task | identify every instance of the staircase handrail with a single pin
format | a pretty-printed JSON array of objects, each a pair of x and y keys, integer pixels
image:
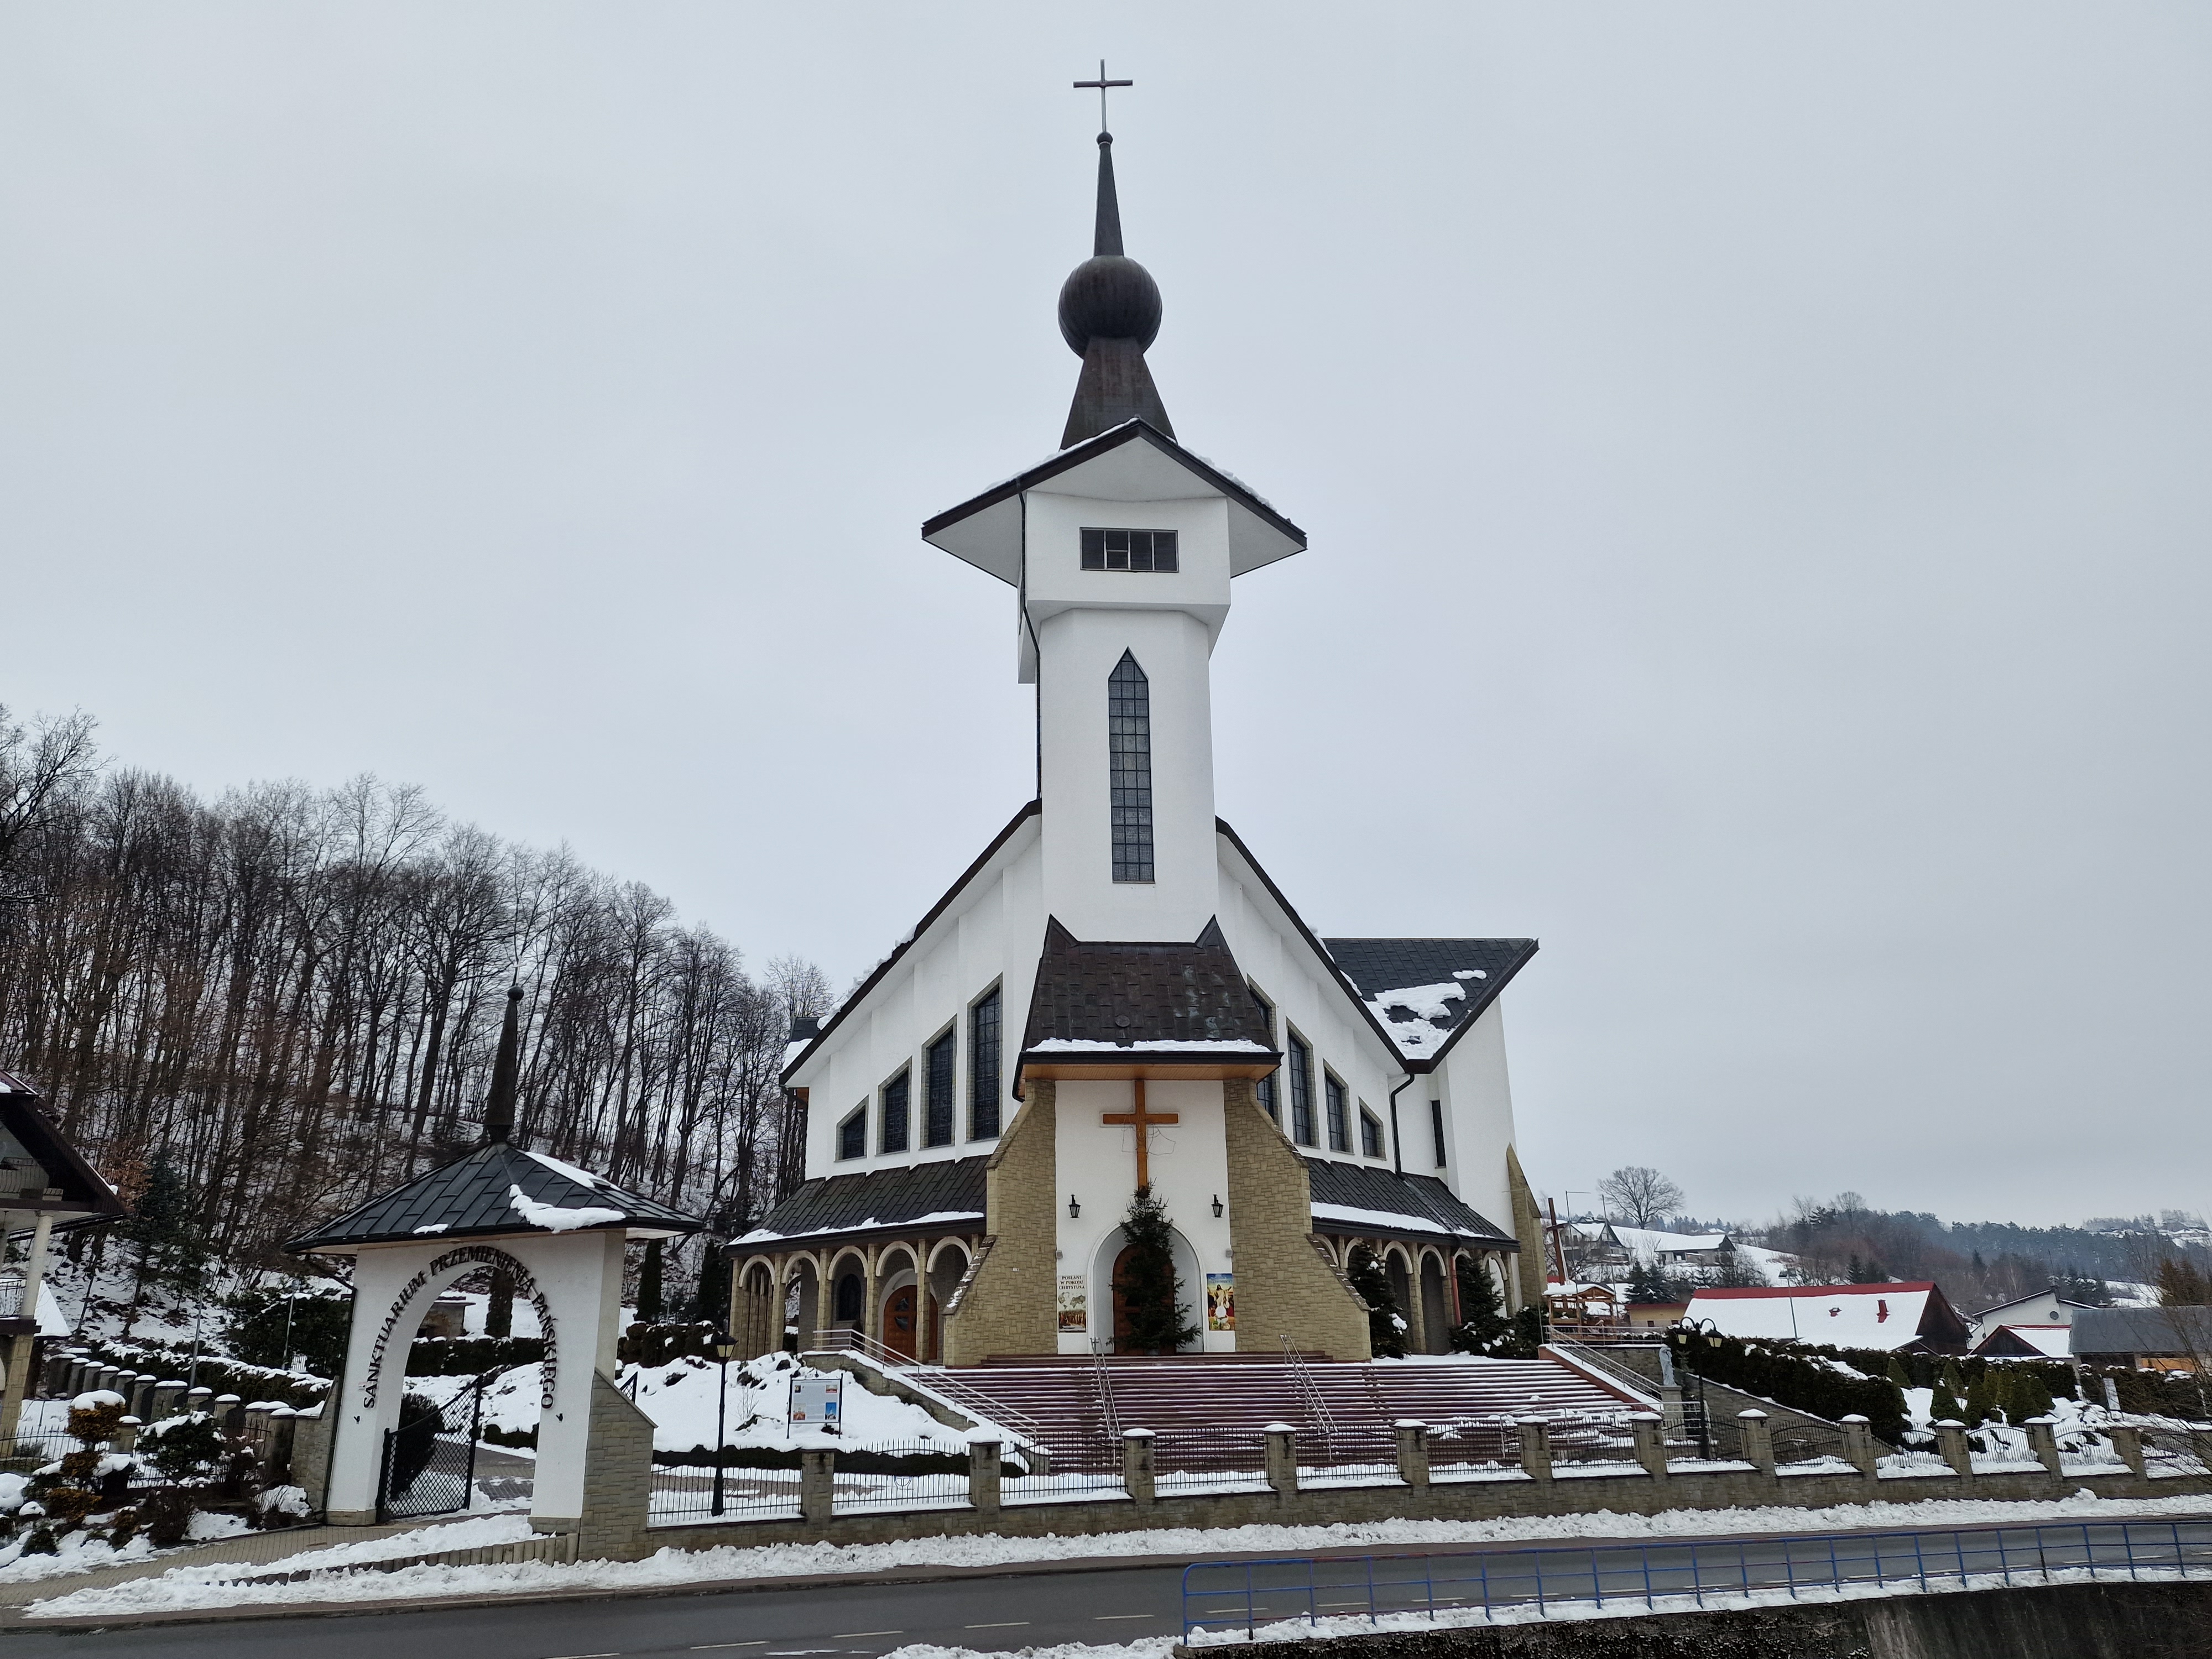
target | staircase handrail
[
  {"x": 941, "y": 1382},
  {"x": 1302, "y": 1379},
  {"x": 1105, "y": 1385},
  {"x": 1578, "y": 1356}
]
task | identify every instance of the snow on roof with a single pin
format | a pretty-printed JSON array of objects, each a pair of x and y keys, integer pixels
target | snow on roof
[
  {"x": 1418, "y": 1018},
  {"x": 1177, "y": 1045},
  {"x": 1649, "y": 1241},
  {"x": 935, "y": 1218},
  {"x": 1845, "y": 1316},
  {"x": 2051, "y": 1341}
]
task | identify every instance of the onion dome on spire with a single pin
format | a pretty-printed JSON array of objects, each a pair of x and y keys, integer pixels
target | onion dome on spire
[{"x": 1109, "y": 311}]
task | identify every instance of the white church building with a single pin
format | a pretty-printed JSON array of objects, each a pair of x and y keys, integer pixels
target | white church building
[{"x": 1115, "y": 993}]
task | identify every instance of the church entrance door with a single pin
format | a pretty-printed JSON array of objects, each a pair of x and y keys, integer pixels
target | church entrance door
[
  {"x": 899, "y": 1322},
  {"x": 1121, "y": 1302}
]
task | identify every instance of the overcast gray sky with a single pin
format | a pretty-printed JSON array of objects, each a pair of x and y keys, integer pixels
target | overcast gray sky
[{"x": 1755, "y": 460}]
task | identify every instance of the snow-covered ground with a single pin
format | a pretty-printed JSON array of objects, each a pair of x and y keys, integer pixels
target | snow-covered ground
[{"x": 208, "y": 1587}]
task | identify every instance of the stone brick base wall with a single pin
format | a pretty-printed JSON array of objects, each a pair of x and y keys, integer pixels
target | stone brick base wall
[
  {"x": 1285, "y": 1285},
  {"x": 1009, "y": 1303},
  {"x": 617, "y": 1479}
]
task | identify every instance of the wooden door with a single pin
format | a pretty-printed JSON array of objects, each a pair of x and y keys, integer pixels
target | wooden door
[
  {"x": 899, "y": 1322},
  {"x": 1121, "y": 1302}
]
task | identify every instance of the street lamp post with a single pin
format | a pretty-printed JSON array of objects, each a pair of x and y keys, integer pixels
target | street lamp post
[{"x": 723, "y": 1346}]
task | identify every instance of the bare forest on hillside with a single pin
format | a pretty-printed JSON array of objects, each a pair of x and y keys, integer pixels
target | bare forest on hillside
[{"x": 287, "y": 999}]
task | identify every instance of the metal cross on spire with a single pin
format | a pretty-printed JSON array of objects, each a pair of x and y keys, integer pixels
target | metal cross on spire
[{"x": 1101, "y": 84}]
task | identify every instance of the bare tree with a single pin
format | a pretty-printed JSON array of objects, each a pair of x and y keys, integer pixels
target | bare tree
[
  {"x": 1640, "y": 1197},
  {"x": 37, "y": 764}
]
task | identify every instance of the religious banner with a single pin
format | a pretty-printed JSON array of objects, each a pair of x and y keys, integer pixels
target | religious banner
[
  {"x": 1074, "y": 1303},
  {"x": 1221, "y": 1302}
]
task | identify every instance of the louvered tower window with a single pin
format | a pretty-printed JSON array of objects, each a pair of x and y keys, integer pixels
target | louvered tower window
[{"x": 1129, "y": 750}]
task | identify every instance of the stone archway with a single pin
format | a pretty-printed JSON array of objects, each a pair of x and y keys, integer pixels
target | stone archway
[
  {"x": 406, "y": 1315},
  {"x": 1190, "y": 1284}
]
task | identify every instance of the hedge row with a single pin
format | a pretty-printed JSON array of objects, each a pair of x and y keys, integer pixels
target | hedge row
[{"x": 1800, "y": 1381}]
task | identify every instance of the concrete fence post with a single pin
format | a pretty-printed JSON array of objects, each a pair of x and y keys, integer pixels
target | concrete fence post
[
  {"x": 284, "y": 1429},
  {"x": 1412, "y": 1450},
  {"x": 2043, "y": 1441},
  {"x": 1858, "y": 1445},
  {"x": 2200, "y": 1446},
  {"x": 817, "y": 1475},
  {"x": 1535, "y": 1447},
  {"x": 141, "y": 1397},
  {"x": 230, "y": 1413},
  {"x": 1137, "y": 1469},
  {"x": 1283, "y": 1458},
  {"x": 195, "y": 1400},
  {"x": 1757, "y": 1441},
  {"x": 106, "y": 1377},
  {"x": 2127, "y": 1443},
  {"x": 127, "y": 1435},
  {"x": 52, "y": 1373},
  {"x": 1651, "y": 1431},
  {"x": 164, "y": 1401},
  {"x": 1951, "y": 1447},
  {"x": 983, "y": 1475}
]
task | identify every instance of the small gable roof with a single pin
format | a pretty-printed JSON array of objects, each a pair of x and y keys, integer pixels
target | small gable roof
[
  {"x": 1131, "y": 462},
  {"x": 1423, "y": 992},
  {"x": 1892, "y": 1316},
  {"x": 1161, "y": 1001},
  {"x": 1360, "y": 1198},
  {"x": 475, "y": 1197},
  {"x": 945, "y": 1191},
  {"x": 64, "y": 1183}
]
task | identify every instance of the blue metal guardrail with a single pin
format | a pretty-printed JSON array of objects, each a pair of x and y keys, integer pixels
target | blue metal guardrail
[{"x": 1227, "y": 1595}]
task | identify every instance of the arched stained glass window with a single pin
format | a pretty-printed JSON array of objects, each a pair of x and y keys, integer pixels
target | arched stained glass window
[{"x": 1129, "y": 751}]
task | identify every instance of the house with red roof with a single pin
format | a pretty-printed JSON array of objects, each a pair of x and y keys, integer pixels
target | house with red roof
[{"x": 1910, "y": 1317}]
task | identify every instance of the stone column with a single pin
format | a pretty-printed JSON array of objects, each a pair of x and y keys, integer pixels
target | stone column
[
  {"x": 1757, "y": 1441},
  {"x": 1951, "y": 1447},
  {"x": 825, "y": 1300},
  {"x": 983, "y": 1476},
  {"x": 164, "y": 1401},
  {"x": 1536, "y": 1449},
  {"x": 230, "y": 1413},
  {"x": 1858, "y": 1445},
  {"x": 1283, "y": 1458},
  {"x": 817, "y": 1473},
  {"x": 196, "y": 1400},
  {"x": 1417, "y": 1335},
  {"x": 871, "y": 1316},
  {"x": 1412, "y": 1450},
  {"x": 127, "y": 1434},
  {"x": 1137, "y": 1466},
  {"x": 2043, "y": 1441},
  {"x": 2127, "y": 1443},
  {"x": 1650, "y": 1443},
  {"x": 284, "y": 1429}
]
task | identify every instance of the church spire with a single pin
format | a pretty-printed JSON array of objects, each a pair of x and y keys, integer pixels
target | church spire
[
  {"x": 1109, "y": 311},
  {"x": 499, "y": 1107}
]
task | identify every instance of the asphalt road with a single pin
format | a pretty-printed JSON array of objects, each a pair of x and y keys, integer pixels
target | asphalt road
[{"x": 1041, "y": 1608}]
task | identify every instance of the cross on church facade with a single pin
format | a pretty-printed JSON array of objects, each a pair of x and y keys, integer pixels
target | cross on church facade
[
  {"x": 1101, "y": 84},
  {"x": 1140, "y": 1120}
]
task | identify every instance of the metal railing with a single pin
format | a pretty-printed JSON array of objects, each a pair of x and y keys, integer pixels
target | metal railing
[
  {"x": 899, "y": 1475},
  {"x": 1624, "y": 1377},
  {"x": 945, "y": 1385},
  {"x": 1104, "y": 1385},
  {"x": 1232, "y": 1600},
  {"x": 1188, "y": 1462},
  {"x": 1309, "y": 1391},
  {"x": 688, "y": 1492}
]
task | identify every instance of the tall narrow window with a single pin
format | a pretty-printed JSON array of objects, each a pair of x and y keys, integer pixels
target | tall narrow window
[
  {"x": 1264, "y": 1089},
  {"x": 892, "y": 1139},
  {"x": 1301, "y": 1064},
  {"x": 1129, "y": 751},
  {"x": 983, "y": 1069},
  {"x": 853, "y": 1133},
  {"x": 1371, "y": 1134},
  {"x": 937, "y": 1122},
  {"x": 1436, "y": 1129},
  {"x": 1339, "y": 1128}
]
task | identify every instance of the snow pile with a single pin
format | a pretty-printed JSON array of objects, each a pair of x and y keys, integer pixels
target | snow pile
[
  {"x": 182, "y": 1588},
  {"x": 556, "y": 1218}
]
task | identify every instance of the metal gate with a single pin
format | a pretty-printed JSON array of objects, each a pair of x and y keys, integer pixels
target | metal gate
[{"x": 430, "y": 1462}]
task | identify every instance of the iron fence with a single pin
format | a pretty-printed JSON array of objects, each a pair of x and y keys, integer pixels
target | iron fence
[
  {"x": 1809, "y": 1447},
  {"x": 1346, "y": 1457},
  {"x": 1225, "y": 1600},
  {"x": 1473, "y": 1448},
  {"x": 1019, "y": 1485},
  {"x": 1209, "y": 1462},
  {"x": 2169, "y": 1450},
  {"x": 691, "y": 1492},
  {"x": 900, "y": 1475}
]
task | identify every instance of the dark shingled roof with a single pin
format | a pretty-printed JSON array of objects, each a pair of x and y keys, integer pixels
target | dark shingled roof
[
  {"x": 29, "y": 1135},
  {"x": 872, "y": 1200},
  {"x": 2142, "y": 1330},
  {"x": 468, "y": 1199},
  {"x": 1122, "y": 992},
  {"x": 1417, "y": 1198},
  {"x": 1378, "y": 965}
]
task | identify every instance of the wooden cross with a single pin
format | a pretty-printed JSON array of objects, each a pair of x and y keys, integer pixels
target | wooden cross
[
  {"x": 1140, "y": 1120},
  {"x": 1101, "y": 84}
]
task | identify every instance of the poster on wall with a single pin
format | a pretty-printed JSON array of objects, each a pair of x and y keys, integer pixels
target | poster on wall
[
  {"x": 1221, "y": 1302},
  {"x": 817, "y": 1402},
  {"x": 1074, "y": 1303}
]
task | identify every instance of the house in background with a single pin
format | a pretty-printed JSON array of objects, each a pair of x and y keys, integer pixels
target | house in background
[
  {"x": 45, "y": 1184},
  {"x": 2148, "y": 1339},
  {"x": 2038, "y": 1327},
  {"x": 1909, "y": 1317}
]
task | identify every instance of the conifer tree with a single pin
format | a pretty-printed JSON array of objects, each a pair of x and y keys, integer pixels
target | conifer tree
[
  {"x": 1485, "y": 1326},
  {"x": 713, "y": 1300},
  {"x": 1944, "y": 1406},
  {"x": 2029, "y": 1396},
  {"x": 1158, "y": 1321},
  {"x": 1898, "y": 1374},
  {"x": 1981, "y": 1404},
  {"x": 1386, "y": 1327}
]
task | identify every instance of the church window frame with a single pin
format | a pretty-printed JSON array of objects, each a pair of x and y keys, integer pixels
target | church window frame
[
  {"x": 853, "y": 1133},
  {"x": 1129, "y": 769},
  {"x": 987, "y": 1082},
  {"x": 895, "y": 1112},
  {"x": 1436, "y": 1129},
  {"x": 1263, "y": 1089},
  {"x": 1372, "y": 1142},
  {"x": 1337, "y": 1101},
  {"x": 1158, "y": 551},
  {"x": 940, "y": 1073},
  {"x": 1298, "y": 1062}
]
